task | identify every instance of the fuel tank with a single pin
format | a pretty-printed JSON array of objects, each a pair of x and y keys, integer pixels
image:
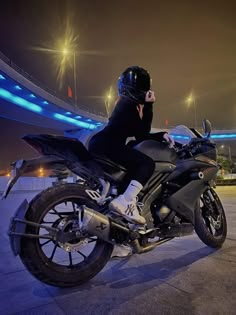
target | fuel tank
[{"x": 158, "y": 151}]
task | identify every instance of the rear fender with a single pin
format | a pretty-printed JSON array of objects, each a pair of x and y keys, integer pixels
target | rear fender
[
  {"x": 18, "y": 228},
  {"x": 21, "y": 167}
]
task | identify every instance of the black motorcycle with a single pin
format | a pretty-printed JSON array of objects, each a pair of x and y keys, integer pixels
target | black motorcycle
[{"x": 66, "y": 234}]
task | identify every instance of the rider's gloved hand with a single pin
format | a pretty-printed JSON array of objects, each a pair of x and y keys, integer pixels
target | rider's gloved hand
[
  {"x": 150, "y": 97},
  {"x": 149, "y": 100},
  {"x": 169, "y": 140}
]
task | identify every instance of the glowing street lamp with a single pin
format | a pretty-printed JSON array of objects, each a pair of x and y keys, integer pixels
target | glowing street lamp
[
  {"x": 65, "y": 53},
  {"x": 108, "y": 100},
  {"x": 40, "y": 172},
  {"x": 191, "y": 99}
]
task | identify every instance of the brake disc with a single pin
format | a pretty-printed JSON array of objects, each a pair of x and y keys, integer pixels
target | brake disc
[{"x": 66, "y": 225}]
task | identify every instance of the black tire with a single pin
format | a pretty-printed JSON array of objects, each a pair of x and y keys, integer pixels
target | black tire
[
  {"x": 205, "y": 231},
  {"x": 33, "y": 256}
]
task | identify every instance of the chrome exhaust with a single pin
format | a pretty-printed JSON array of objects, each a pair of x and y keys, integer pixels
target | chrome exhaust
[
  {"x": 96, "y": 223},
  {"x": 105, "y": 228}
]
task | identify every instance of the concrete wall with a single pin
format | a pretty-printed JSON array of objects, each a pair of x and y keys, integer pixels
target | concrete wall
[{"x": 29, "y": 183}]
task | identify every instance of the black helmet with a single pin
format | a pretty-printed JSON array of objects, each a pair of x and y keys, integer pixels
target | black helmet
[{"x": 134, "y": 83}]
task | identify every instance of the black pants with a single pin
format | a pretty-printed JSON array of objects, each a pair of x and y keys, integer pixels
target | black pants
[{"x": 140, "y": 166}]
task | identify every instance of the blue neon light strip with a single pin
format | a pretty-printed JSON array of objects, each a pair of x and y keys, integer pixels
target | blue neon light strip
[
  {"x": 224, "y": 136},
  {"x": 6, "y": 95},
  {"x": 22, "y": 100},
  {"x": 74, "y": 121},
  {"x": 180, "y": 137}
]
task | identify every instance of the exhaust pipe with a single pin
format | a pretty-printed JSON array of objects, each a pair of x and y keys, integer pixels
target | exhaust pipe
[
  {"x": 138, "y": 249},
  {"x": 98, "y": 224}
]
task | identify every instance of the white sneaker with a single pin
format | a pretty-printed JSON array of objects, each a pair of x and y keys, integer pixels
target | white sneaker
[
  {"x": 121, "y": 251},
  {"x": 128, "y": 209}
]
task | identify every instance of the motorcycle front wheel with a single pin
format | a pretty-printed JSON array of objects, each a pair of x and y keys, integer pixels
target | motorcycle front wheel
[
  {"x": 64, "y": 264},
  {"x": 210, "y": 219}
]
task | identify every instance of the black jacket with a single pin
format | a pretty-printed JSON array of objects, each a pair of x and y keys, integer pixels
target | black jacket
[{"x": 125, "y": 122}]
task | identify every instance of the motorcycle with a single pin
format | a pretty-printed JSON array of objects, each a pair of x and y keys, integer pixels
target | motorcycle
[{"x": 66, "y": 234}]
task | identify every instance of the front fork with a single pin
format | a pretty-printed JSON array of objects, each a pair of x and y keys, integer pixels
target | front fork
[{"x": 212, "y": 211}]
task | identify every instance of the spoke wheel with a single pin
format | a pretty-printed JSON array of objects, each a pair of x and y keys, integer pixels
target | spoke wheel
[
  {"x": 210, "y": 220},
  {"x": 69, "y": 253},
  {"x": 62, "y": 263}
]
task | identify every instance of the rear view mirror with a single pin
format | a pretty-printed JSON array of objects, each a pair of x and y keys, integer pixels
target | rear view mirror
[{"x": 206, "y": 125}]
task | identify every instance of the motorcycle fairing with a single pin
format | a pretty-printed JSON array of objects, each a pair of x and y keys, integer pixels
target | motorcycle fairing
[
  {"x": 186, "y": 166},
  {"x": 184, "y": 200}
]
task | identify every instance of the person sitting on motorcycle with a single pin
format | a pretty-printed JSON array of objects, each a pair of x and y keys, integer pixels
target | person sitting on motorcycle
[{"x": 131, "y": 117}]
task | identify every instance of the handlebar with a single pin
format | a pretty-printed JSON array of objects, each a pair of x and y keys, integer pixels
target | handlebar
[{"x": 191, "y": 148}]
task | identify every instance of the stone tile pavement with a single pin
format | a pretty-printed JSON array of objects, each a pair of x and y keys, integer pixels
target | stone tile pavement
[{"x": 182, "y": 276}]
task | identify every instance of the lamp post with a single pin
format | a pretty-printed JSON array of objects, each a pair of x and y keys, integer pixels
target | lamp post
[
  {"x": 66, "y": 52},
  {"x": 229, "y": 151},
  {"x": 191, "y": 99}
]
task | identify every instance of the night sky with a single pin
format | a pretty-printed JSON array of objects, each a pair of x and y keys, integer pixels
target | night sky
[{"x": 186, "y": 46}]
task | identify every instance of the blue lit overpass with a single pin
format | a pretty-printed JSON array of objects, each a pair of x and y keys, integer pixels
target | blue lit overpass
[{"x": 24, "y": 100}]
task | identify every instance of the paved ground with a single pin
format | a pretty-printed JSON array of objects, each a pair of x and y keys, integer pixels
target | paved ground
[{"x": 182, "y": 276}]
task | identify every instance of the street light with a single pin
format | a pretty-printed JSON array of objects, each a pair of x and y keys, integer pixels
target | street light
[
  {"x": 67, "y": 52},
  {"x": 229, "y": 151},
  {"x": 41, "y": 172},
  {"x": 108, "y": 100},
  {"x": 191, "y": 99}
]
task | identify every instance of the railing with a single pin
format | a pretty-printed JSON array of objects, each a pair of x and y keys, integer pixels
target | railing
[{"x": 44, "y": 87}]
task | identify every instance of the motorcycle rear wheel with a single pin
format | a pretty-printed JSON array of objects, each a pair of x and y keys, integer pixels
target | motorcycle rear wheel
[
  {"x": 210, "y": 220},
  {"x": 41, "y": 260}
]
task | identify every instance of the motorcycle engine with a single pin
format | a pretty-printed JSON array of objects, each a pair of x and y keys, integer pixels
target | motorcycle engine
[{"x": 160, "y": 213}]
